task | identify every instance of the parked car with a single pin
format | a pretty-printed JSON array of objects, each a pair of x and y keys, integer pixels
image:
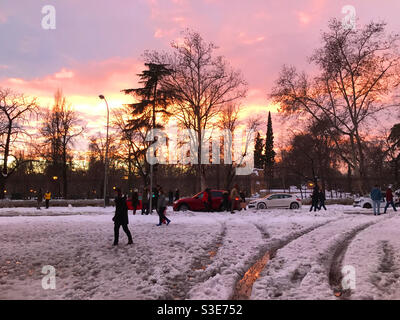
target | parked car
[
  {"x": 277, "y": 200},
  {"x": 195, "y": 204},
  {"x": 130, "y": 206},
  {"x": 366, "y": 201}
]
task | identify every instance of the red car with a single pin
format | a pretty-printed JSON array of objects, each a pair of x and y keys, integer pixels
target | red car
[
  {"x": 130, "y": 206},
  {"x": 195, "y": 204}
]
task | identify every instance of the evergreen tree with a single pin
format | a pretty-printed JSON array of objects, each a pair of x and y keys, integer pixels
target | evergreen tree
[
  {"x": 258, "y": 152},
  {"x": 269, "y": 154},
  {"x": 152, "y": 100}
]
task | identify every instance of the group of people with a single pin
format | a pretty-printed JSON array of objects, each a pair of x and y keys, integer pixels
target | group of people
[
  {"x": 377, "y": 197},
  {"x": 47, "y": 198},
  {"x": 318, "y": 199},
  {"x": 146, "y": 199},
  {"x": 159, "y": 202},
  {"x": 230, "y": 201}
]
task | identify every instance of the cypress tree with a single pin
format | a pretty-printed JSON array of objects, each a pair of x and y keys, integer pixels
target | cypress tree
[
  {"x": 258, "y": 152},
  {"x": 269, "y": 154}
]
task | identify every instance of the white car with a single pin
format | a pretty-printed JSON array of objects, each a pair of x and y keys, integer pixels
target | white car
[
  {"x": 366, "y": 202},
  {"x": 276, "y": 200}
]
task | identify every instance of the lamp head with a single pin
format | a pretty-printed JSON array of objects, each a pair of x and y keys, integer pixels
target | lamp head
[{"x": 101, "y": 97}]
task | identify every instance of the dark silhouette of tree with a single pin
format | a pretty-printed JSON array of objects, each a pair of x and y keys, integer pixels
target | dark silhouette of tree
[
  {"x": 60, "y": 127},
  {"x": 15, "y": 111},
  {"x": 258, "y": 152},
  {"x": 269, "y": 153},
  {"x": 394, "y": 151},
  {"x": 358, "y": 71},
  {"x": 202, "y": 84},
  {"x": 152, "y": 101}
]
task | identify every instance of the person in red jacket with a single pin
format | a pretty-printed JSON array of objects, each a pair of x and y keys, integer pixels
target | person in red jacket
[
  {"x": 389, "y": 199},
  {"x": 207, "y": 201}
]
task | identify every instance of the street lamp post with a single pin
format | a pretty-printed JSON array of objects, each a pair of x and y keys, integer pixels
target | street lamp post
[{"x": 106, "y": 155}]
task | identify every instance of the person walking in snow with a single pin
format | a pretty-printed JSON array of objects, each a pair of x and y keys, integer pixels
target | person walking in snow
[
  {"x": 321, "y": 199},
  {"x": 389, "y": 199},
  {"x": 376, "y": 197},
  {"x": 135, "y": 200},
  {"x": 170, "y": 197},
  {"x": 234, "y": 198},
  {"x": 47, "y": 198},
  {"x": 242, "y": 200},
  {"x": 39, "y": 199},
  {"x": 225, "y": 200},
  {"x": 314, "y": 199},
  {"x": 206, "y": 199},
  {"x": 121, "y": 217},
  {"x": 162, "y": 207}
]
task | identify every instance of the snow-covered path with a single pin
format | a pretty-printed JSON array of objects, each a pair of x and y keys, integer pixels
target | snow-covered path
[{"x": 199, "y": 255}]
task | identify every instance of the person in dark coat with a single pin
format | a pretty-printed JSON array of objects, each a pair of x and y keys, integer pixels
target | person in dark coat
[
  {"x": 242, "y": 200},
  {"x": 39, "y": 198},
  {"x": 121, "y": 217},
  {"x": 376, "y": 197},
  {"x": 135, "y": 200},
  {"x": 321, "y": 199},
  {"x": 162, "y": 207},
  {"x": 225, "y": 201},
  {"x": 314, "y": 199},
  {"x": 389, "y": 199},
  {"x": 170, "y": 197},
  {"x": 176, "y": 194}
]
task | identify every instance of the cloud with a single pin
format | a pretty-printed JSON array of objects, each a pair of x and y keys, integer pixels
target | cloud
[
  {"x": 111, "y": 75},
  {"x": 303, "y": 17},
  {"x": 64, "y": 74},
  {"x": 3, "y": 18}
]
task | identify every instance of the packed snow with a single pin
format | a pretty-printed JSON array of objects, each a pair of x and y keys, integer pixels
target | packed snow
[{"x": 199, "y": 255}]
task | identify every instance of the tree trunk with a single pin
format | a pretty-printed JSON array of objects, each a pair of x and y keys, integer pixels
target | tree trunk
[
  {"x": 64, "y": 174},
  {"x": 2, "y": 187}
]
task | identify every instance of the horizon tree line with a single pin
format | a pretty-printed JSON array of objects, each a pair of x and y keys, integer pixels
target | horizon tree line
[{"x": 358, "y": 71}]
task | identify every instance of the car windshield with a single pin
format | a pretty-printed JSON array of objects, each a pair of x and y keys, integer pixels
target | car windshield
[{"x": 199, "y": 195}]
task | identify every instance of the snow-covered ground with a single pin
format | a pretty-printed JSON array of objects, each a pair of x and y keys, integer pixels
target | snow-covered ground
[{"x": 199, "y": 255}]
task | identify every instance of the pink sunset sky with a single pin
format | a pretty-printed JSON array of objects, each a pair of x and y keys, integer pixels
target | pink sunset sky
[{"x": 97, "y": 45}]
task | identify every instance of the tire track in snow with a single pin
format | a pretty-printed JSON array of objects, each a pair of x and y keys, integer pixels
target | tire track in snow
[
  {"x": 335, "y": 275},
  {"x": 244, "y": 286},
  {"x": 387, "y": 274},
  {"x": 179, "y": 286},
  {"x": 265, "y": 235}
]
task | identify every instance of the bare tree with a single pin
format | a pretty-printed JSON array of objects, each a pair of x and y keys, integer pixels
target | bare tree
[
  {"x": 229, "y": 120},
  {"x": 15, "y": 111},
  {"x": 61, "y": 126},
  {"x": 358, "y": 73},
  {"x": 201, "y": 84}
]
